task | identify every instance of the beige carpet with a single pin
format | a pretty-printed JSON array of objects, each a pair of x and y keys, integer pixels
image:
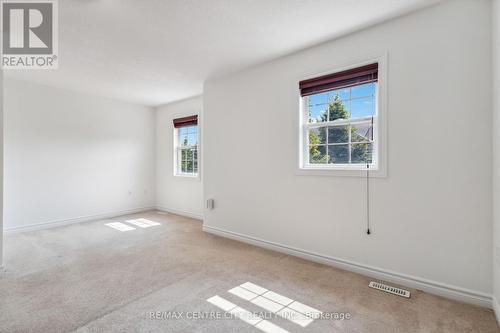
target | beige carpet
[{"x": 92, "y": 278}]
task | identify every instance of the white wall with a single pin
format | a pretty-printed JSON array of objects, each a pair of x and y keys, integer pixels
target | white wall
[
  {"x": 1, "y": 167},
  {"x": 431, "y": 217},
  {"x": 173, "y": 193},
  {"x": 70, "y": 155},
  {"x": 496, "y": 154}
]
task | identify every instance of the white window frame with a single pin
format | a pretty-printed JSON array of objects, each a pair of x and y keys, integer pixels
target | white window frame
[
  {"x": 378, "y": 168},
  {"x": 176, "y": 148}
]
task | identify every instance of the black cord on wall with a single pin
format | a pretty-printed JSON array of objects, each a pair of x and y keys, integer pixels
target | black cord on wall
[{"x": 368, "y": 229}]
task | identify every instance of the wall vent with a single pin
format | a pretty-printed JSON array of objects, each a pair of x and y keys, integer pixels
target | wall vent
[{"x": 389, "y": 289}]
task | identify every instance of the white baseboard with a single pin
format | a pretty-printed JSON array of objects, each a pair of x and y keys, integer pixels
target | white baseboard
[
  {"x": 87, "y": 218},
  {"x": 432, "y": 287},
  {"x": 192, "y": 215},
  {"x": 496, "y": 308}
]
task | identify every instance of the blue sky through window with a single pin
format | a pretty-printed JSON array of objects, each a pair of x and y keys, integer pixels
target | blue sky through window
[
  {"x": 359, "y": 101},
  {"x": 188, "y": 136}
]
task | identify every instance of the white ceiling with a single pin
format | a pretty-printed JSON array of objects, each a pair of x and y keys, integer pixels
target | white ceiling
[{"x": 157, "y": 51}]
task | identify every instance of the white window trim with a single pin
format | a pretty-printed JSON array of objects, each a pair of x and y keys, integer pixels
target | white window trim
[
  {"x": 175, "y": 133},
  {"x": 380, "y": 128}
]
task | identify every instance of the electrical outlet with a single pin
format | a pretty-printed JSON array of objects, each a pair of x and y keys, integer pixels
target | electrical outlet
[
  {"x": 210, "y": 204},
  {"x": 497, "y": 255}
]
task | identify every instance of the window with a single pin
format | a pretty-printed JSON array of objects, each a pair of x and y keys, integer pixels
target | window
[
  {"x": 186, "y": 146},
  {"x": 340, "y": 120}
]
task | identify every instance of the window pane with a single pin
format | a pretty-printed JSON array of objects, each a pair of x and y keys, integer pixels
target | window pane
[
  {"x": 317, "y": 113},
  {"x": 329, "y": 106},
  {"x": 189, "y": 154},
  {"x": 361, "y": 153},
  {"x": 317, "y": 136},
  {"x": 195, "y": 166},
  {"x": 361, "y": 132},
  {"x": 183, "y": 166},
  {"x": 343, "y": 94},
  {"x": 317, "y": 155},
  {"x": 192, "y": 139},
  {"x": 189, "y": 166},
  {"x": 195, "y": 153},
  {"x": 183, "y": 154},
  {"x": 363, "y": 107},
  {"x": 338, "y": 134},
  {"x": 337, "y": 109},
  {"x": 183, "y": 139},
  {"x": 317, "y": 106},
  {"x": 364, "y": 90},
  {"x": 318, "y": 99},
  {"x": 339, "y": 154}
]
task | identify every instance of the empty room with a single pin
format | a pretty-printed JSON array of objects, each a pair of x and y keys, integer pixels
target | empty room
[{"x": 250, "y": 166}]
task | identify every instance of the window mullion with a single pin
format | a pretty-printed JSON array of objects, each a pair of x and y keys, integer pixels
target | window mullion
[
  {"x": 342, "y": 122},
  {"x": 349, "y": 126},
  {"x": 349, "y": 143},
  {"x": 192, "y": 160},
  {"x": 327, "y": 147}
]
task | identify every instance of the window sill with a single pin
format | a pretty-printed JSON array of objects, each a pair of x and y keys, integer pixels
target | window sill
[
  {"x": 186, "y": 175},
  {"x": 340, "y": 172}
]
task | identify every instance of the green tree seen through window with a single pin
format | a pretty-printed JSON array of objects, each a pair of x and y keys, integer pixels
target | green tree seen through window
[{"x": 360, "y": 152}]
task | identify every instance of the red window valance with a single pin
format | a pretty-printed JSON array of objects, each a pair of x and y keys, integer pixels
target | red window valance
[
  {"x": 344, "y": 79},
  {"x": 186, "y": 121}
]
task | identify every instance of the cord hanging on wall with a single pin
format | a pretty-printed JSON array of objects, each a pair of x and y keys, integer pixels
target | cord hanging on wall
[
  {"x": 368, "y": 231},
  {"x": 370, "y": 133}
]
